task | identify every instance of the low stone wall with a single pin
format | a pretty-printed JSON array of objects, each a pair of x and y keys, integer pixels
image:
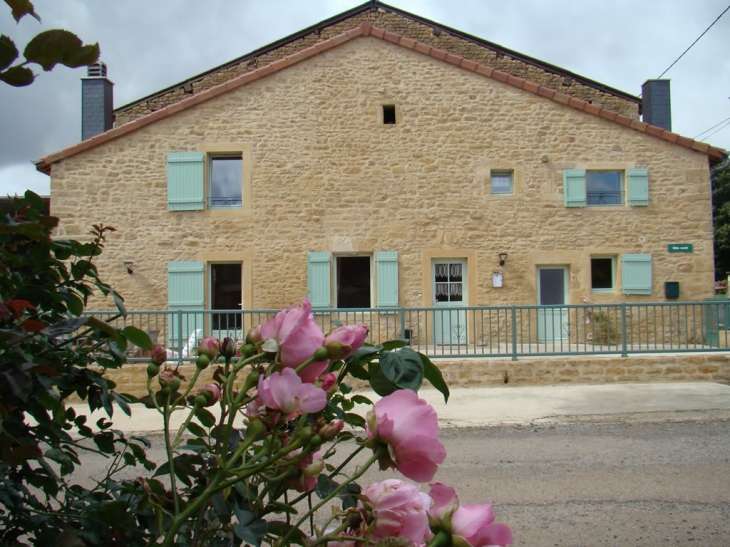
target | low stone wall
[{"x": 711, "y": 367}]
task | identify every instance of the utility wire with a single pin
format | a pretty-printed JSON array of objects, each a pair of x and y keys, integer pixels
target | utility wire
[
  {"x": 718, "y": 130},
  {"x": 693, "y": 43},
  {"x": 713, "y": 127}
]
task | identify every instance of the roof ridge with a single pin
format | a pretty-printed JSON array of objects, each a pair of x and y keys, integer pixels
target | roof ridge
[{"x": 366, "y": 28}]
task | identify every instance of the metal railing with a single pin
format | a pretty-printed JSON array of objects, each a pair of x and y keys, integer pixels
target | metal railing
[{"x": 494, "y": 331}]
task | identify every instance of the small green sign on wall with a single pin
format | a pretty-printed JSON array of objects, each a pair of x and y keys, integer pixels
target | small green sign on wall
[{"x": 680, "y": 248}]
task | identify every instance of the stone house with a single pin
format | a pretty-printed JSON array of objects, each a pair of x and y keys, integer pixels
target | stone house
[{"x": 381, "y": 160}]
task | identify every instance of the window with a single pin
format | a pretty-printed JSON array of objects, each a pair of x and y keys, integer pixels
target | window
[
  {"x": 389, "y": 114},
  {"x": 604, "y": 188},
  {"x": 225, "y": 294},
  {"x": 219, "y": 177},
  {"x": 353, "y": 280},
  {"x": 596, "y": 188},
  {"x": 502, "y": 182},
  {"x": 603, "y": 274},
  {"x": 226, "y": 181}
]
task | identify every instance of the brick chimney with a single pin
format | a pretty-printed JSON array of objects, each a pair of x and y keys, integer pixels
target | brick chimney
[
  {"x": 97, "y": 102},
  {"x": 656, "y": 105}
]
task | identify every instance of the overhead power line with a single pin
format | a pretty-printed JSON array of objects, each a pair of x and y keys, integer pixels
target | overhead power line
[
  {"x": 718, "y": 130},
  {"x": 693, "y": 43},
  {"x": 713, "y": 127}
]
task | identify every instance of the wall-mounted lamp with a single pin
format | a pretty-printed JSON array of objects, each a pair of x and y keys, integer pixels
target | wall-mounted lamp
[
  {"x": 128, "y": 264},
  {"x": 502, "y": 258}
]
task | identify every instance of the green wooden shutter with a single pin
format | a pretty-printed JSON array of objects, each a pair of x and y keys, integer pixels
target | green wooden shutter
[
  {"x": 185, "y": 292},
  {"x": 185, "y": 190},
  {"x": 574, "y": 187},
  {"x": 386, "y": 263},
  {"x": 636, "y": 274},
  {"x": 638, "y": 182},
  {"x": 318, "y": 279}
]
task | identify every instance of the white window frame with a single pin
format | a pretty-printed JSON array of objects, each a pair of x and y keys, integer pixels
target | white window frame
[{"x": 613, "y": 260}]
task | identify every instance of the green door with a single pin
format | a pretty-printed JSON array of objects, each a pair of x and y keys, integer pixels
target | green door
[
  {"x": 552, "y": 293},
  {"x": 449, "y": 296}
]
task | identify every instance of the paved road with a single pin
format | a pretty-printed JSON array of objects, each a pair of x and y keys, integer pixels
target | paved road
[{"x": 573, "y": 485}]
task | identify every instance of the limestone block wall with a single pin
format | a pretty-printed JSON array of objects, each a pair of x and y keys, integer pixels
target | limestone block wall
[
  {"x": 327, "y": 175},
  {"x": 466, "y": 373},
  {"x": 406, "y": 27}
]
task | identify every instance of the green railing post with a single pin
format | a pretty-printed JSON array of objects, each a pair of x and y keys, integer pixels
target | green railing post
[
  {"x": 624, "y": 351},
  {"x": 514, "y": 333},
  {"x": 179, "y": 337},
  {"x": 402, "y": 314}
]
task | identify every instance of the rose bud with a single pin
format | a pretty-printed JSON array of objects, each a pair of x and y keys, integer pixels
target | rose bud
[
  {"x": 254, "y": 335},
  {"x": 167, "y": 377},
  {"x": 343, "y": 341},
  {"x": 328, "y": 379},
  {"x": 158, "y": 355},
  {"x": 209, "y": 346},
  {"x": 211, "y": 392},
  {"x": 228, "y": 347},
  {"x": 331, "y": 430}
]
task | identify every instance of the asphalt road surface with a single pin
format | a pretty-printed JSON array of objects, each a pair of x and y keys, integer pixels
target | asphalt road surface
[{"x": 575, "y": 485}]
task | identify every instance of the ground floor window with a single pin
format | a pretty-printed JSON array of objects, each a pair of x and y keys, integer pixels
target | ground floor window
[
  {"x": 225, "y": 294},
  {"x": 353, "y": 282},
  {"x": 603, "y": 274}
]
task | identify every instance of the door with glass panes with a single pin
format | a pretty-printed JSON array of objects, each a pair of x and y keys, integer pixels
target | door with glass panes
[
  {"x": 552, "y": 294},
  {"x": 449, "y": 295},
  {"x": 225, "y": 299}
]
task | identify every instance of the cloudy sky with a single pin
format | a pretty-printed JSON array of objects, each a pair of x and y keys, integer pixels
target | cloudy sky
[{"x": 152, "y": 44}]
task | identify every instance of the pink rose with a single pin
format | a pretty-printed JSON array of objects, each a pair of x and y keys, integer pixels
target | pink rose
[
  {"x": 399, "y": 509},
  {"x": 343, "y": 341},
  {"x": 209, "y": 347},
  {"x": 328, "y": 380},
  {"x": 286, "y": 393},
  {"x": 410, "y": 426},
  {"x": 310, "y": 467},
  {"x": 472, "y": 523},
  {"x": 297, "y": 338}
]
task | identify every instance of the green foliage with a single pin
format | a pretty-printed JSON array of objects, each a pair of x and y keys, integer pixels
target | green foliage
[
  {"x": 49, "y": 352},
  {"x": 721, "y": 220},
  {"x": 47, "y": 49}
]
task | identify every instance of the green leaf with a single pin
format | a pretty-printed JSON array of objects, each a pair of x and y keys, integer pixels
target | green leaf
[
  {"x": 95, "y": 323},
  {"x": 354, "y": 420},
  {"x": 205, "y": 417},
  {"x": 122, "y": 403},
  {"x": 105, "y": 442},
  {"x": 358, "y": 371},
  {"x": 65, "y": 327},
  {"x": 280, "y": 529},
  {"x": 21, "y": 8},
  {"x": 361, "y": 400},
  {"x": 397, "y": 370},
  {"x": 196, "y": 430},
  {"x": 138, "y": 337},
  {"x": 8, "y": 52},
  {"x": 20, "y": 382},
  {"x": 75, "y": 305},
  {"x": 349, "y": 495},
  {"x": 249, "y": 529},
  {"x": 60, "y": 46},
  {"x": 394, "y": 344},
  {"x": 119, "y": 303},
  {"x": 433, "y": 375},
  {"x": 17, "y": 76},
  {"x": 363, "y": 352},
  {"x": 325, "y": 486}
]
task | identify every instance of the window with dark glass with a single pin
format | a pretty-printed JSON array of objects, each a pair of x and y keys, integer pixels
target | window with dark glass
[
  {"x": 225, "y": 292},
  {"x": 448, "y": 278},
  {"x": 226, "y": 181},
  {"x": 353, "y": 282},
  {"x": 602, "y": 274}
]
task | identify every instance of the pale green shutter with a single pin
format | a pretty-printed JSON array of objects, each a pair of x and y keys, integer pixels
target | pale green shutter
[
  {"x": 638, "y": 182},
  {"x": 185, "y": 292},
  {"x": 574, "y": 187},
  {"x": 185, "y": 190},
  {"x": 386, "y": 263},
  {"x": 636, "y": 274},
  {"x": 318, "y": 279}
]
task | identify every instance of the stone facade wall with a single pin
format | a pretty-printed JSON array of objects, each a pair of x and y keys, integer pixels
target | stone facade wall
[
  {"x": 467, "y": 373},
  {"x": 327, "y": 175},
  {"x": 406, "y": 27}
]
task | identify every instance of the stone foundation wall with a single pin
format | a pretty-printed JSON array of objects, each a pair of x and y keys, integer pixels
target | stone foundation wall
[{"x": 466, "y": 373}]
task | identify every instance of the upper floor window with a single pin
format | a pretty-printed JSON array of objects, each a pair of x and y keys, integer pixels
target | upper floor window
[
  {"x": 502, "y": 182},
  {"x": 226, "y": 181},
  {"x": 597, "y": 188}
]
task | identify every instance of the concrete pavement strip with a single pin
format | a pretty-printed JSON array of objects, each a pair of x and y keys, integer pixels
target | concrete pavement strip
[{"x": 522, "y": 405}]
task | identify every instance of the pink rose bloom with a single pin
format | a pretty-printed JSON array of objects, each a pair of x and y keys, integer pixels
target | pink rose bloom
[
  {"x": 297, "y": 337},
  {"x": 410, "y": 426},
  {"x": 311, "y": 466},
  {"x": 286, "y": 393},
  {"x": 209, "y": 346},
  {"x": 399, "y": 509},
  {"x": 343, "y": 341},
  {"x": 472, "y": 523}
]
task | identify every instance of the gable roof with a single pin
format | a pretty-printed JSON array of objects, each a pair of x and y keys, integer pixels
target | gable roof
[
  {"x": 367, "y": 29},
  {"x": 499, "y": 57}
]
